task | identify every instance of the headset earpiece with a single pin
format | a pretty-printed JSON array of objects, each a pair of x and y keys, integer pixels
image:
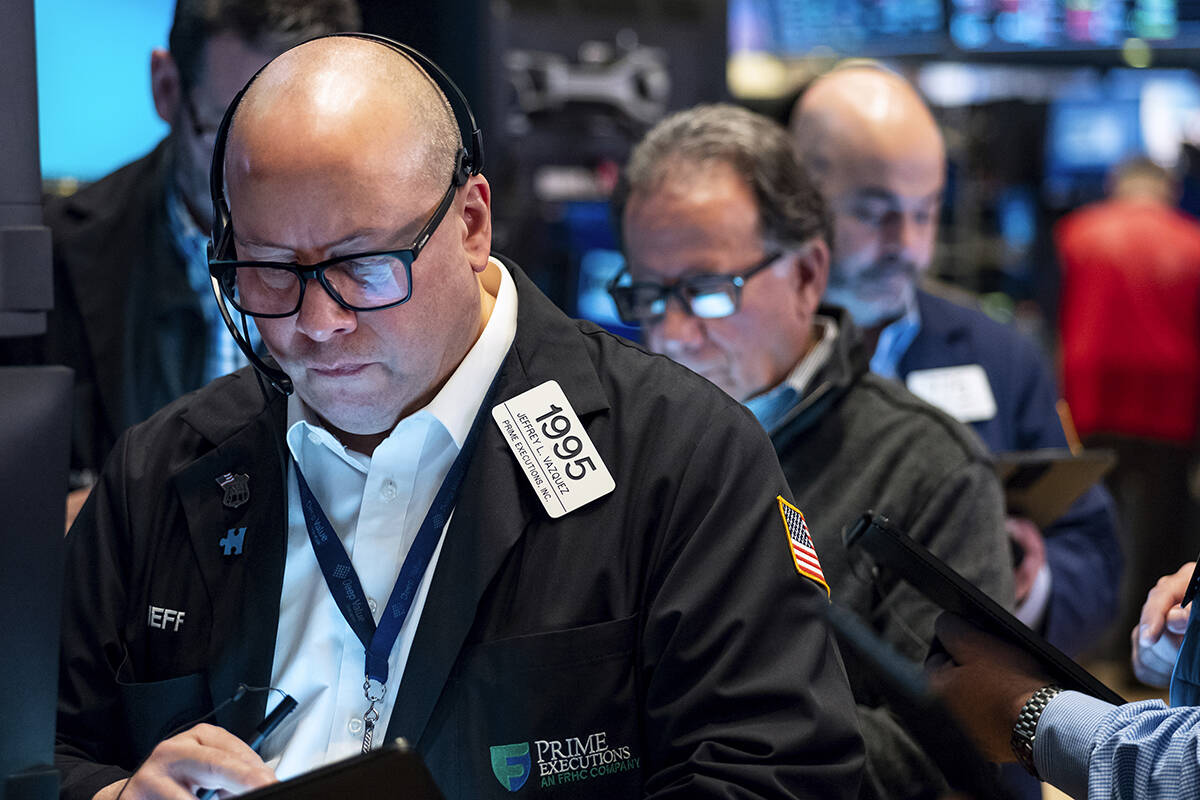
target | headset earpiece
[{"x": 462, "y": 167}]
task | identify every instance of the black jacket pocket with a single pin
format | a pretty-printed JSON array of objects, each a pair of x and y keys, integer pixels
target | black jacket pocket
[
  {"x": 155, "y": 710},
  {"x": 551, "y": 714}
]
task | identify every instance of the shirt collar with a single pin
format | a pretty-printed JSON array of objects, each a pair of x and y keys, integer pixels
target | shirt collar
[
  {"x": 456, "y": 405},
  {"x": 770, "y": 406},
  {"x": 817, "y": 356},
  {"x": 894, "y": 341},
  {"x": 188, "y": 236}
]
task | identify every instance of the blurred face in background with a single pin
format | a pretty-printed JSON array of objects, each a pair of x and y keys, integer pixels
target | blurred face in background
[
  {"x": 885, "y": 216},
  {"x": 194, "y": 111},
  {"x": 708, "y": 224},
  {"x": 879, "y": 158}
]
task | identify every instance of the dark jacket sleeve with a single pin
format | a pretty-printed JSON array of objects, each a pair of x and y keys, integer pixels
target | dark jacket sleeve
[
  {"x": 897, "y": 767},
  {"x": 743, "y": 686},
  {"x": 91, "y": 651},
  {"x": 961, "y": 519},
  {"x": 1082, "y": 549}
]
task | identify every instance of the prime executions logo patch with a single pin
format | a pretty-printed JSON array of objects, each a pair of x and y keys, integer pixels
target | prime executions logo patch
[
  {"x": 560, "y": 762},
  {"x": 510, "y": 765}
]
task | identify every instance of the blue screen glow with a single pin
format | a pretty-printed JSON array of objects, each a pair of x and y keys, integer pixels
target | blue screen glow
[{"x": 95, "y": 110}]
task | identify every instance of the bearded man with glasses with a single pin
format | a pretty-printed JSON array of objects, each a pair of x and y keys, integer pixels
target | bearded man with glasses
[{"x": 726, "y": 240}]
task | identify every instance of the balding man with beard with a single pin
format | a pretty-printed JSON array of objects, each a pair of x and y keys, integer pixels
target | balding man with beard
[
  {"x": 877, "y": 153},
  {"x": 879, "y": 157},
  {"x": 551, "y": 561}
]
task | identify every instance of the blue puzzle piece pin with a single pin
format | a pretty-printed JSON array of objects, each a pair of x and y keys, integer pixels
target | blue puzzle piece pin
[{"x": 233, "y": 541}]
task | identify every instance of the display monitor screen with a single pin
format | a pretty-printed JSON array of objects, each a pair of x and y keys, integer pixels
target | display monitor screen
[
  {"x": 1091, "y": 135},
  {"x": 1084, "y": 140},
  {"x": 796, "y": 28},
  {"x": 1018, "y": 25},
  {"x": 793, "y": 29}
]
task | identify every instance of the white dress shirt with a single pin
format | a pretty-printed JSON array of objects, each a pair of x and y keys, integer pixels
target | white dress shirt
[{"x": 376, "y": 504}]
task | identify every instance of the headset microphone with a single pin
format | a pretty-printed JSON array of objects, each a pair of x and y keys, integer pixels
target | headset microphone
[{"x": 469, "y": 161}]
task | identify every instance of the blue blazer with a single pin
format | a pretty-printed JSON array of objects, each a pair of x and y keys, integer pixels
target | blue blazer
[{"x": 1081, "y": 547}]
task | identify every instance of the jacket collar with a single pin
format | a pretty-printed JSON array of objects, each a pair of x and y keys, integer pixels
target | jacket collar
[
  {"x": 548, "y": 346},
  {"x": 945, "y": 336},
  {"x": 934, "y": 319}
]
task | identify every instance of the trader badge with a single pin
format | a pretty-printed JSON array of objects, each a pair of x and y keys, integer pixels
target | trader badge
[{"x": 237, "y": 489}]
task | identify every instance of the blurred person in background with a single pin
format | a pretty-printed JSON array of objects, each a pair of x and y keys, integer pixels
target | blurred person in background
[
  {"x": 1129, "y": 327},
  {"x": 134, "y": 314},
  {"x": 879, "y": 157},
  {"x": 726, "y": 237}
]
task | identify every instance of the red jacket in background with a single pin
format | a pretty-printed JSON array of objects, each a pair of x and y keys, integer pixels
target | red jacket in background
[{"x": 1129, "y": 321}]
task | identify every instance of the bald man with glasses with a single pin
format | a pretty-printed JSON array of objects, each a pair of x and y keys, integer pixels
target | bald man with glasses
[{"x": 550, "y": 561}]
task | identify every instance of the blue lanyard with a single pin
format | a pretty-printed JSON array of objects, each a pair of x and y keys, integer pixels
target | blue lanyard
[{"x": 347, "y": 591}]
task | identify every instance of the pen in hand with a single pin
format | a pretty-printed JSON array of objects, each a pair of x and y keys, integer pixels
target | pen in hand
[{"x": 264, "y": 729}]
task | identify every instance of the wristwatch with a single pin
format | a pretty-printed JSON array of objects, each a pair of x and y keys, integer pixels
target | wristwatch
[{"x": 1026, "y": 728}]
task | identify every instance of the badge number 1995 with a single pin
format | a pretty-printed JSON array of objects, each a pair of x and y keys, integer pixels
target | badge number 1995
[{"x": 552, "y": 448}]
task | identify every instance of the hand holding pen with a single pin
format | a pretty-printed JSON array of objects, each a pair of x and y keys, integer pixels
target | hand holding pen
[
  {"x": 202, "y": 755},
  {"x": 264, "y": 729}
]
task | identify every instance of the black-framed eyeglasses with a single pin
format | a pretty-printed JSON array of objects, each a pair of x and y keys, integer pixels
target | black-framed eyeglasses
[
  {"x": 200, "y": 129},
  {"x": 369, "y": 281},
  {"x": 707, "y": 296}
]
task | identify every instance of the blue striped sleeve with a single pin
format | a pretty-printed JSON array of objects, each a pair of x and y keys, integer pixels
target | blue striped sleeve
[{"x": 1089, "y": 748}]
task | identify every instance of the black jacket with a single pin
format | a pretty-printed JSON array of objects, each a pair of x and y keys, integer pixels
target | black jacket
[
  {"x": 125, "y": 317},
  {"x": 668, "y": 614}
]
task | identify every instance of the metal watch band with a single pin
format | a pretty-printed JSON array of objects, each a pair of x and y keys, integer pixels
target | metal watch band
[{"x": 1025, "y": 729}]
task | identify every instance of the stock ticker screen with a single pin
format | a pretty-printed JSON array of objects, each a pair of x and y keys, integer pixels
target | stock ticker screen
[
  {"x": 793, "y": 29},
  {"x": 1000, "y": 25},
  {"x": 798, "y": 28}
]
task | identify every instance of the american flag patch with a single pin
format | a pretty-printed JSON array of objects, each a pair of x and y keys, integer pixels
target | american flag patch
[{"x": 804, "y": 554}]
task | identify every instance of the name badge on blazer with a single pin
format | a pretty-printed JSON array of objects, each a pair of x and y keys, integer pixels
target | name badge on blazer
[
  {"x": 553, "y": 450},
  {"x": 962, "y": 392}
]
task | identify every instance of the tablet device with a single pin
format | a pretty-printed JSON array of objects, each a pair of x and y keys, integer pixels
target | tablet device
[
  {"x": 893, "y": 550},
  {"x": 392, "y": 771},
  {"x": 1042, "y": 484}
]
